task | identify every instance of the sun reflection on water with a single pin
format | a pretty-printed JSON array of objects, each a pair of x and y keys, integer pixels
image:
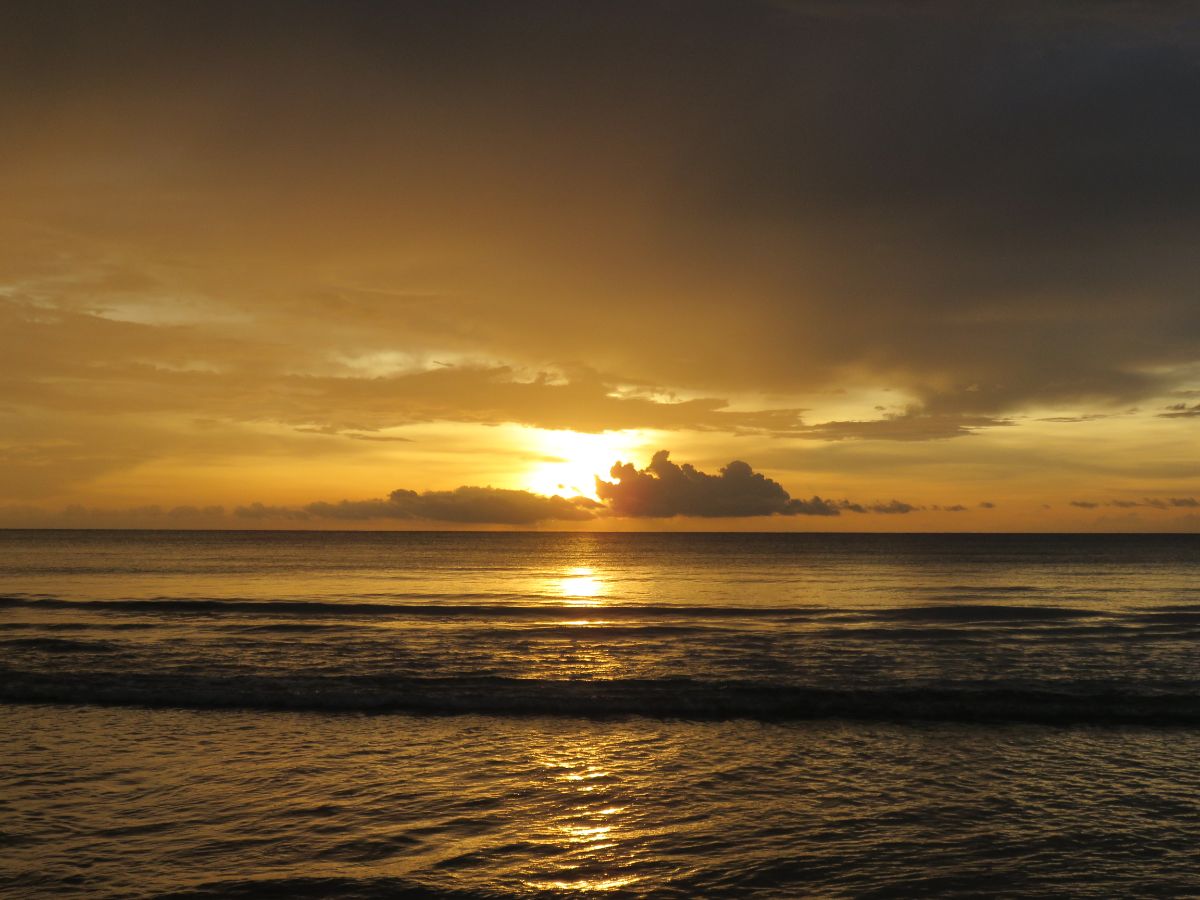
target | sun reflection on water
[
  {"x": 581, "y": 586},
  {"x": 595, "y": 832}
]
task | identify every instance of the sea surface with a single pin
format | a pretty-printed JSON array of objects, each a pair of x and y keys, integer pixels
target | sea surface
[{"x": 212, "y": 714}]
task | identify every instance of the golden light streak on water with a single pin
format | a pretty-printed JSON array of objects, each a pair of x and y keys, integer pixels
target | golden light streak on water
[
  {"x": 596, "y": 836},
  {"x": 581, "y": 586}
]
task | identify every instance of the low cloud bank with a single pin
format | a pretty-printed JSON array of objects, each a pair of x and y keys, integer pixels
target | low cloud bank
[
  {"x": 465, "y": 505},
  {"x": 664, "y": 489}
]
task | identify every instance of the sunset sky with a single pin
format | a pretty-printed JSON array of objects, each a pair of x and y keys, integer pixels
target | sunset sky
[{"x": 913, "y": 266}]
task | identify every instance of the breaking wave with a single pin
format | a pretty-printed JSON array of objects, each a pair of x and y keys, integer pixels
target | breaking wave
[{"x": 671, "y": 698}]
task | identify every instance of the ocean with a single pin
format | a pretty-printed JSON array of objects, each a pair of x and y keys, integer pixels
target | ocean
[{"x": 304, "y": 714}]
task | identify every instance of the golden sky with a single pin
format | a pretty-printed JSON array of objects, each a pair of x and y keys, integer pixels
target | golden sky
[{"x": 878, "y": 266}]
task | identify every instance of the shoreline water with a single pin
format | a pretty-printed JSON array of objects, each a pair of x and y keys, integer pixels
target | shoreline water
[
  {"x": 641, "y": 715},
  {"x": 178, "y": 803}
]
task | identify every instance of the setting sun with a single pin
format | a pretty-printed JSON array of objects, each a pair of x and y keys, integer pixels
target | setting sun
[{"x": 568, "y": 462}]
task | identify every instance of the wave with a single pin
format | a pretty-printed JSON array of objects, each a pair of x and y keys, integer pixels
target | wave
[
  {"x": 318, "y": 608},
  {"x": 981, "y": 612},
  {"x": 343, "y": 886},
  {"x": 671, "y": 698},
  {"x": 58, "y": 645},
  {"x": 453, "y": 607}
]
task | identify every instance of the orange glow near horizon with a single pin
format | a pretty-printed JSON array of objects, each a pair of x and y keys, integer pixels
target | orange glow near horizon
[{"x": 569, "y": 462}]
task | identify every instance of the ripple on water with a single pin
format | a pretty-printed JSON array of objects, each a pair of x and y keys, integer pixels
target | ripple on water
[{"x": 498, "y": 806}]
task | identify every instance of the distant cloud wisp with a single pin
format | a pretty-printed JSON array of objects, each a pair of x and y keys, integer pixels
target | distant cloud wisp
[
  {"x": 1180, "y": 411},
  {"x": 1146, "y": 502}
]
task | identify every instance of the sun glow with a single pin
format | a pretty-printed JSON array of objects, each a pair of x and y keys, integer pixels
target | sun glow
[
  {"x": 568, "y": 462},
  {"x": 581, "y": 586}
]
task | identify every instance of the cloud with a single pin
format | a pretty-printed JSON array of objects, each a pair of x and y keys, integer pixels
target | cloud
[
  {"x": 464, "y": 505},
  {"x": 76, "y": 362},
  {"x": 989, "y": 210},
  {"x": 912, "y": 425},
  {"x": 1147, "y": 502},
  {"x": 814, "y": 506},
  {"x": 1172, "y": 503},
  {"x": 987, "y": 504},
  {"x": 1090, "y": 417},
  {"x": 1180, "y": 411},
  {"x": 954, "y": 229},
  {"x": 664, "y": 489},
  {"x": 354, "y": 435}
]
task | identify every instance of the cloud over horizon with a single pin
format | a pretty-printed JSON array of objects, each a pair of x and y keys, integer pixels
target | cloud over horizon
[
  {"x": 464, "y": 505},
  {"x": 842, "y": 240},
  {"x": 664, "y": 489},
  {"x": 661, "y": 490}
]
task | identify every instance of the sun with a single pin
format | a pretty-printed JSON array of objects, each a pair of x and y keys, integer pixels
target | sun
[{"x": 567, "y": 462}]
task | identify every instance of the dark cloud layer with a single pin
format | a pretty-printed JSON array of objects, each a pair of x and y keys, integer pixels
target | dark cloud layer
[
  {"x": 665, "y": 489},
  {"x": 662, "y": 490},
  {"x": 987, "y": 205}
]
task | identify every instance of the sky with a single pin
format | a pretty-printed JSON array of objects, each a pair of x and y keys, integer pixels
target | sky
[{"x": 855, "y": 266}]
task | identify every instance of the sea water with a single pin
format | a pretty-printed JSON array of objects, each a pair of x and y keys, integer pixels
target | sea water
[{"x": 391, "y": 714}]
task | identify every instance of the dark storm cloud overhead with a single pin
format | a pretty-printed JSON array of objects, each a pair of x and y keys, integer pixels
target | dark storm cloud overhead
[
  {"x": 464, "y": 505},
  {"x": 986, "y": 205}
]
